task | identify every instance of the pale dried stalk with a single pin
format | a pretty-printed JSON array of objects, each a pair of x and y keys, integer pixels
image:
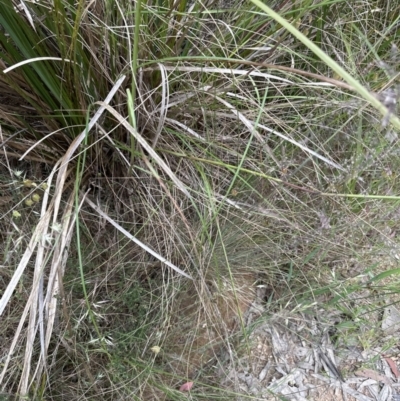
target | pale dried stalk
[
  {"x": 39, "y": 240},
  {"x": 136, "y": 241}
]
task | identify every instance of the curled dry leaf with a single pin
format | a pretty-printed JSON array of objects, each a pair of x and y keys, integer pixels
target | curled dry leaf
[
  {"x": 186, "y": 387},
  {"x": 393, "y": 366},
  {"x": 372, "y": 374}
]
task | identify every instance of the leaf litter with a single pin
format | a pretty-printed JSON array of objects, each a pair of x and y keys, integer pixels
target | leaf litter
[{"x": 294, "y": 358}]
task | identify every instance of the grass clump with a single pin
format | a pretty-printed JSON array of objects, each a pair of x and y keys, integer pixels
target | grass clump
[{"x": 175, "y": 157}]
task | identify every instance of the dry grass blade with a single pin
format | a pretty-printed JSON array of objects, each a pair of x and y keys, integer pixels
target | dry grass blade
[
  {"x": 56, "y": 273},
  {"x": 41, "y": 228},
  {"x": 27, "y": 14},
  {"x": 43, "y": 224},
  {"x": 37, "y": 237},
  {"x": 50, "y": 304},
  {"x": 33, "y": 60},
  {"x": 222, "y": 71},
  {"x": 164, "y": 107},
  {"x": 39, "y": 240},
  {"x": 249, "y": 126},
  {"x": 183, "y": 98},
  {"x": 78, "y": 140},
  {"x": 149, "y": 149},
  {"x": 36, "y": 296},
  {"x": 229, "y": 193},
  {"x": 136, "y": 241},
  {"x": 334, "y": 82},
  {"x": 185, "y": 128},
  {"x": 308, "y": 150}
]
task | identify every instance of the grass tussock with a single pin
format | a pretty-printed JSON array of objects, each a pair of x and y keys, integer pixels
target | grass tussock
[{"x": 160, "y": 161}]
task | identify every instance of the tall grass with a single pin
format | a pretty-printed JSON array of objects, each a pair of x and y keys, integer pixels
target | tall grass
[{"x": 162, "y": 159}]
